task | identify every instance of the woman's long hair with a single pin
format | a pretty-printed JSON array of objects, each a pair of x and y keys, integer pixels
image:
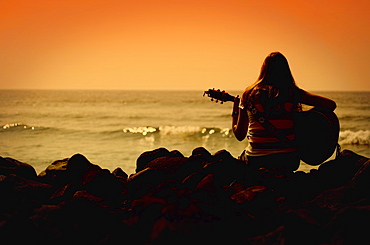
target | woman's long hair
[
  {"x": 275, "y": 71},
  {"x": 276, "y": 76}
]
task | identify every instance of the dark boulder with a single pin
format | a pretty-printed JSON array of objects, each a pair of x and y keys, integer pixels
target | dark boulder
[
  {"x": 167, "y": 164},
  {"x": 11, "y": 166},
  {"x": 18, "y": 192},
  {"x": 78, "y": 173},
  {"x": 359, "y": 186},
  {"x": 349, "y": 225},
  {"x": 191, "y": 181},
  {"x": 173, "y": 199},
  {"x": 338, "y": 172},
  {"x": 203, "y": 152},
  {"x": 140, "y": 183},
  {"x": 56, "y": 173},
  {"x": 119, "y": 173},
  {"x": 64, "y": 171},
  {"x": 148, "y": 156}
]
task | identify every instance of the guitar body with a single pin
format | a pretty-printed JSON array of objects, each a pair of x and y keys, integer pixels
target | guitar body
[
  {"x": 317, "y": 133},
  {"x": 317, "y": 130}
]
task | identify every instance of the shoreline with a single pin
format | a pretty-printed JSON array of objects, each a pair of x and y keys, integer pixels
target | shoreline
[
  {"x": 128, "y": 164},
  {"x": 175, "y": 199}
]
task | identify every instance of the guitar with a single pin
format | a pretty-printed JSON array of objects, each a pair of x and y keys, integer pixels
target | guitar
[{"x": 317, "y": 130}]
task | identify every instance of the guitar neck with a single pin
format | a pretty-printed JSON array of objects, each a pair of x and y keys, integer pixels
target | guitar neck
[
  {"x": 230, "y": 98},
  {"x": 219, "y": 95}
]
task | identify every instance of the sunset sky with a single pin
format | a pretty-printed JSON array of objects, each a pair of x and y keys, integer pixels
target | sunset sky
[{"x": 181, "y": 44}]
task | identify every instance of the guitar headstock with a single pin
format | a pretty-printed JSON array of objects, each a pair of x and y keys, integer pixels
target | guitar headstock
[{"x": 219, "y": 95}]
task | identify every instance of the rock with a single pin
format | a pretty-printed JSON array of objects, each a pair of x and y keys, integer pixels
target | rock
[
  {"x": 78, "y": 173},
  {"x": 56, "y": 173},
  {"x": 260, "y": 205},
  {"x": 185, "y": 224},
  {"x": 175, "y": 199},
  {"x": 187, "y": 167},
  {"x": 331, "y": 198},
  {"x": 191, "y": 181},
  {"x": 176, "y": 153},
  {"x": 222, "y": 154},
  {"x": 203, "y": 152},
  {"x": 166, "y": 163},
  {"x": 338, "y": 172},
  {"x": 248, "y": 194},
  {"x": 275, "y": 237},
  {"x": 104, "y": 185},
  {"x": 353, "y": 191},
  {"x": 349, "y": 225},
  {"x": 63, "y": 194},
  {"x": 148, "y": 156},
  {"x": 58, "y": 165},
  {"x": 54, "y": 223},
  {"x": 225, "y": 169},
  {"x": 64, "y": 171},
  {"x": 140, "y": 204},
  {"x": 119, "y": 173},
  {"x": 207, "y": 184},
  {"x": 11, "y": 166},
  {"x": 145, "y": 211},
  {"x": 18, "y": 192},
  {"x": 298, "y": 223},
  {"x": 77, "y": 164},
  {"x": 359, "y": 186},
  {"x": 18, "y": 229},
  {"x": 140, "y": 183},
  {"x": 88, "y": 220}
]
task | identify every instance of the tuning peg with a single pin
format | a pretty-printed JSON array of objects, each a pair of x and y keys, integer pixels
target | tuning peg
[
  {"x": 216, "y": 101},
  {"x": 221, "y": 102},
  {"x": 212, "y": 99}
]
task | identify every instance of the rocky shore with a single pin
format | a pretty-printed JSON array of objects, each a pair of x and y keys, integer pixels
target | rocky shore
[{"x": 172, "y": 199}]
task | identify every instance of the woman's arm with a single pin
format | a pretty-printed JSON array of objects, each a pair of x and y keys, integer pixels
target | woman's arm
[
  {"x": 239, "y": 120},
  {"x": 316, "y": 100}
]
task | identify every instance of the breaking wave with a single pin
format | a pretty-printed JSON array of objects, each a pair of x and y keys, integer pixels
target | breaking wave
[
  {"x": 179, "y": 130},
  {"x": 348, "y": 137},
  {"x": 17, "y": 126}
]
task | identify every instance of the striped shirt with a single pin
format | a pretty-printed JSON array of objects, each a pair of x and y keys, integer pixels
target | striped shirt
[{"x": 280, "y": 115}]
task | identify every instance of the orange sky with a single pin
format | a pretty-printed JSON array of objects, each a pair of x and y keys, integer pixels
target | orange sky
[{"x": 187, "y": 44}]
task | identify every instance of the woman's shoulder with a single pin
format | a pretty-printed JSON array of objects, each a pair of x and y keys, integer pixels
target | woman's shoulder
[
  {"x": 256, "y": 89},
  {"x": 254, "y": 93},
  {"x": 249, "y": 91}
]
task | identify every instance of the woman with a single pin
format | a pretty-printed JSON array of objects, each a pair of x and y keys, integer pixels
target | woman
[{"x": 265, "y": 115}]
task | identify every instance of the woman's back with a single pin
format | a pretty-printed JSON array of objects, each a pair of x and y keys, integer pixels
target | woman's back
[{"x": 278, "y": 110}]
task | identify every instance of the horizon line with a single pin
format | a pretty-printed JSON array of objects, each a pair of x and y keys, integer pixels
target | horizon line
[{"x": 147, "y": 89}]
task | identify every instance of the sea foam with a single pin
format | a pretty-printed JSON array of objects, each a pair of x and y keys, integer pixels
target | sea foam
[
  {"x": 179, "y": 130},
  {"x": 348, "y": 137}
]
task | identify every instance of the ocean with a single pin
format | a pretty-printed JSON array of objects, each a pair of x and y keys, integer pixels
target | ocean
[{"x": 112, "y": 128}]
